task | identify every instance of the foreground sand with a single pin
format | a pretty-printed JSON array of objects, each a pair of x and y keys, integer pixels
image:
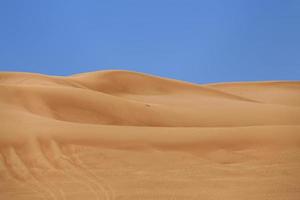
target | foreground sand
[{"x": 124, "y": 135}]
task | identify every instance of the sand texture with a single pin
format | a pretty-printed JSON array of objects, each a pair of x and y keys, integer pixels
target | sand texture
[{"x": 120, "y": 135}]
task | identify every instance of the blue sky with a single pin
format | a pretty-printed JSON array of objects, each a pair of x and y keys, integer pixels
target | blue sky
[{"x": 191, "y": 40}]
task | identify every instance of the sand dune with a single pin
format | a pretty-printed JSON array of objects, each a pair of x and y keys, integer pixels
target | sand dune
[{"x": 127, "y": 135}]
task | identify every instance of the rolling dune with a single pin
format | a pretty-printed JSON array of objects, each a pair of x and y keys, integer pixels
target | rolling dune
[{"x": 126, "y": 135}]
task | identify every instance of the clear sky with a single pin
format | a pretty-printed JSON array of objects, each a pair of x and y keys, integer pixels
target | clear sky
[{"x": 194, "y": 40}]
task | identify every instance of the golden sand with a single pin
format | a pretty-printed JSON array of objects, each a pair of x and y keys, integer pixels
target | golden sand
[{"x": 123, "y": 136}]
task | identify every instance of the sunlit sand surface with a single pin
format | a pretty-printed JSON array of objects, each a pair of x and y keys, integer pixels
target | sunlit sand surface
[{"x": 119, "y": 135}]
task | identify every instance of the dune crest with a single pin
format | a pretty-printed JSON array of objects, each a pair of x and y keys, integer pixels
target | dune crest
[{"x": 126, "y": 135}]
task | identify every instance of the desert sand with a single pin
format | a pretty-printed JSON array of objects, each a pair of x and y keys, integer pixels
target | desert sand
[{"x": 120, "y": 135}]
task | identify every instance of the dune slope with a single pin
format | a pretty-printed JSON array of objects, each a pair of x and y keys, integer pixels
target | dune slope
[{"x": 127, "y": 135}]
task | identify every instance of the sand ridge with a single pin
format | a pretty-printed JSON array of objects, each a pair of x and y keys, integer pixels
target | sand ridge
[{"x": 127, "y": 135}]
